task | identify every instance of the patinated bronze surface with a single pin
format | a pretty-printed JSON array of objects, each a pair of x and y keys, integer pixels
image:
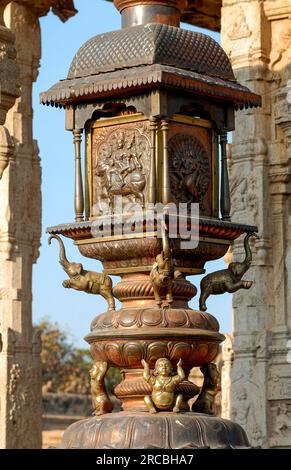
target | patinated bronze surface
[
  {"x": 83, "y": 280},
  {"x": 120, "y": 164},
  {"x": 145, "y": 45},
  {"x": 163, "y": 384},
  {"x": 132, "y": 430},
  {"x": 227, "y": 280},
  {"x": 205, "y": 399},
  {"x": 100, "y": 400},
  {"x": 206, "y": 14},
  {"x": 155, "y": 102}
]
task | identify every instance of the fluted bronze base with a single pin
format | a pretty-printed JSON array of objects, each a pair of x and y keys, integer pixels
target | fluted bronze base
[{"x": 126, "y": 430}]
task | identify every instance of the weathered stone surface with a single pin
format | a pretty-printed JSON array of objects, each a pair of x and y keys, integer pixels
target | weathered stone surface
[
  {"x": 257, "y": 392},
  {"x": 20, "y": 220},
  {"x": 69, "y": 404}
]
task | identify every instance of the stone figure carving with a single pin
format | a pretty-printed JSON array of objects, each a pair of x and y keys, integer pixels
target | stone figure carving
[
  {"x": 244, "y": 195},
  {"x": 227, "y": 280},
  {"x": 239, "y": 28},
  {"x": 281, "y": 46},
  {"x": 119, "y": 168},
  {"x": 189, "y": 169},
  {"x": 163, "y": 384},
  {"x": 163, "y": 273},
  {"x": 283, "y": 420},
  {"x": 206, "y": 397},
  {"x": 100, "y": 400},
  {"x": 13, "y": 392},
  {"x": 241, "y": 408},
  {"x": 80, "y": 279}
]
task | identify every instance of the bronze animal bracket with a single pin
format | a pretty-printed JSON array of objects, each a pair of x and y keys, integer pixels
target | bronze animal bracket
[
  {"x": 227, "y": 280},
  {"x": 80, "y": 279}
]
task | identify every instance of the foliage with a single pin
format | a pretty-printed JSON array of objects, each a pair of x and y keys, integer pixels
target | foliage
[{"x": 64, "y": 367}]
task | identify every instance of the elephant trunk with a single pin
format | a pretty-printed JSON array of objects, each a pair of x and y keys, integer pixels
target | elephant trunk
[
  {"x": 248, "y": 254},
  {"x": 62, "y": 257}
]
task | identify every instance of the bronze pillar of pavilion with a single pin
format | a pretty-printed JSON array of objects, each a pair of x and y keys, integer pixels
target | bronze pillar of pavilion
[{"x": 155, "y": 103}]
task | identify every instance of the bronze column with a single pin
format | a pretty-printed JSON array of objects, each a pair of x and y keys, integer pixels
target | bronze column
[
  {"x": 79, "y": 195},
  {"x": 166, "y": 180},
  {"x": 153, "y": 177},
  {"x": 225, "y": 192}
]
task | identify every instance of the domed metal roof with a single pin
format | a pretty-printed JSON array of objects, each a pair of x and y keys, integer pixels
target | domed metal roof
[
  {"x": 151, "y": 44},
  {"x": 141, "y": 58}
]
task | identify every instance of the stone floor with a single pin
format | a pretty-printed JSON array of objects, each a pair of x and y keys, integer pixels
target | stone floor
[{"x": 53, "y": 427}]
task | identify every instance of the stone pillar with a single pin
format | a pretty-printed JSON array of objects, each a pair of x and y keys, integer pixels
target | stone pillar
[
  {"x": 20, "y": 217},
  {"x": 257, "y": 37},
  {"x": 20, "y": 225}
]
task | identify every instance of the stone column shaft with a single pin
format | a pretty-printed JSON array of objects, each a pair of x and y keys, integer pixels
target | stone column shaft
[
  {"x": 19, "y": 243},
  {"x": 257, "y": 37}
]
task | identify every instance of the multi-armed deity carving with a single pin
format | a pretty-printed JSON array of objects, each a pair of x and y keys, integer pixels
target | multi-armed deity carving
[
  {"x": 88, "y": 281},
  {"x": 189, "y": 169},
  {"x": 120, "y": 167}
]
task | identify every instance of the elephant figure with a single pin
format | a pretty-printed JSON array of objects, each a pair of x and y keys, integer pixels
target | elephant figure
[
  {"x": 205, "y": 399},
  {"x": 83, "y": 280},
  {"x": 227, "y": 280},
  {"x": 100, "y": 400}
]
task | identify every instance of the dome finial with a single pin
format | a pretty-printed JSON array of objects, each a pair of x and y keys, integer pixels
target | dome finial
[{"x": 135, "y": 12}]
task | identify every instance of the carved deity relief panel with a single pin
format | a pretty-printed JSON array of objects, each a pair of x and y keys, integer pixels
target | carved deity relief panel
[
  {"x": 280, "y": 433},
  {"x": 190, "y": 163},
  {"x": 120, "y": 165},
  {"x": 281, "y": 44},
  {"x": 244, "y": 197},
  {"x": 247, "y": 400},
  {"x": 279, "y": 383},
  {"x": 236, "y": 31}
]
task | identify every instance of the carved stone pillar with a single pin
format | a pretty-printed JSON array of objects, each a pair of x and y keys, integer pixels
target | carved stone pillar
[
  {"x": 257, "y": 37},
  {"x": 20, "y": 235},
  {"x": 20, "y": 222}
]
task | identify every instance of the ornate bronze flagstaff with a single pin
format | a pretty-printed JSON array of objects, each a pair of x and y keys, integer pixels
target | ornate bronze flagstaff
[{"x": 154, "y": 101}]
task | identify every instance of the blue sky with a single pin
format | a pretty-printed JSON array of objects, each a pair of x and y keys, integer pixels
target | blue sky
[{"x": 71, "y": 309}]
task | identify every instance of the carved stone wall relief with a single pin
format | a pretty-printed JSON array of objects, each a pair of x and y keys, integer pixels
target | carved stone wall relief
[
  {"x": 281, "y": 42},
  {"x": 247, "y": 403},
  {"x": 280, "y": 424},
  {"x": 239, "y": 28},
  {"x": 244, "y": 196},
  {"x": 22, "y": 391}
]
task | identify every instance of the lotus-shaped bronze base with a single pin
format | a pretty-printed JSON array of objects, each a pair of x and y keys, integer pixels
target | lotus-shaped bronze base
[{"x": 162, "y": 431}]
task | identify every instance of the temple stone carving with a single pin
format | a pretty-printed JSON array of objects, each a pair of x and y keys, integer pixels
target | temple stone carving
[
  {"x": 257, "y": 37},
  {"x": 257, "y": 392},
  {"x": 20, "y": 220}
]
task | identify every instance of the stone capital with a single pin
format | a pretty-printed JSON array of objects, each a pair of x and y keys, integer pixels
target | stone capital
[{"x": 64, "y": 9}]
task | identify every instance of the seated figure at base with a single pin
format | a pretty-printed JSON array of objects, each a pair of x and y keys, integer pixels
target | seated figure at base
[{"x": 163, "y": 384}]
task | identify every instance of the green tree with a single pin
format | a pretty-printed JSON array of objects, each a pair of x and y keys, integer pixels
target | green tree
[{"x": 64, "y": 367}]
